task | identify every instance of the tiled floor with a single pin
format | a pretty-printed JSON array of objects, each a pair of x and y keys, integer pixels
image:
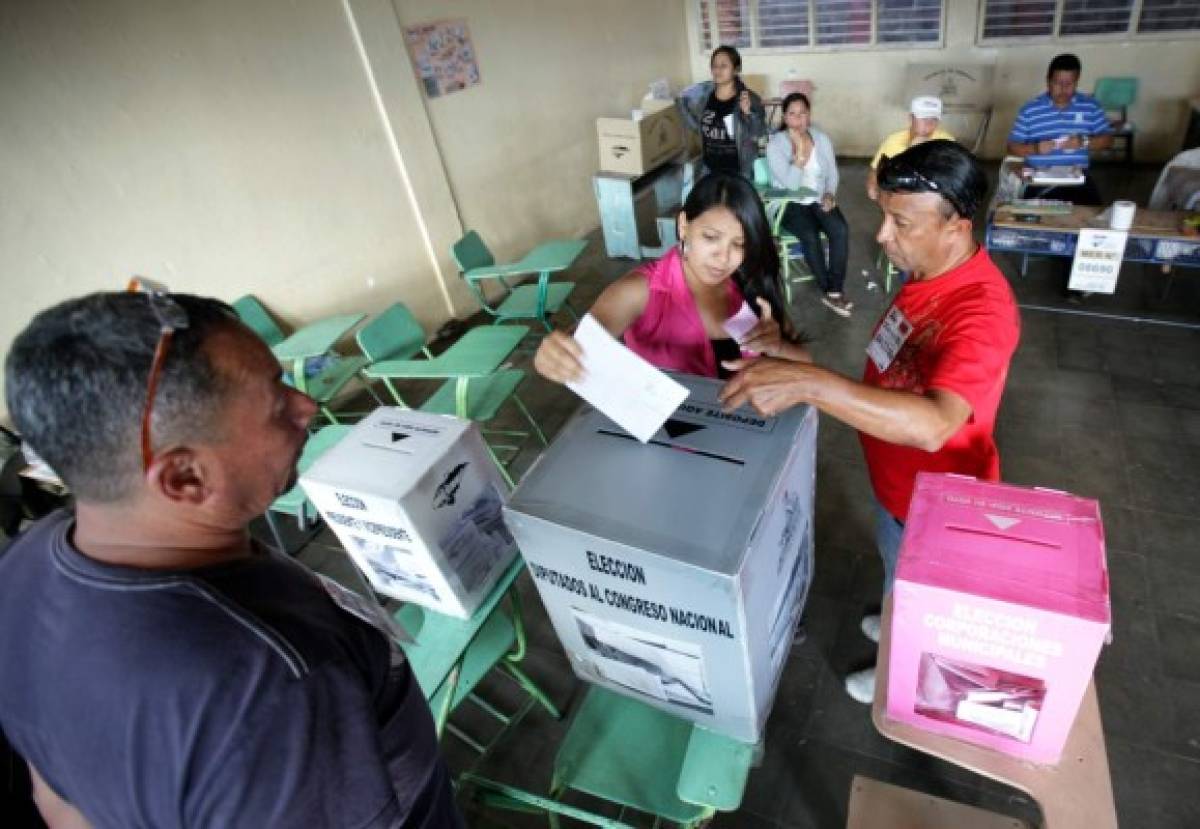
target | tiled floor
[{"x": 1101, "y": 408}]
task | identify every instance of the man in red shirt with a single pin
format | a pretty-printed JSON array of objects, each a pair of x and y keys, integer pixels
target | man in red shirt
[{"x": 937, "y": 361}]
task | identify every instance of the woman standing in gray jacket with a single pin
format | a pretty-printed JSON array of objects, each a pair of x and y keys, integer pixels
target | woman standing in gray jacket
[
  {"x": 729, "y": 117},
  {"x": 800, "y": 155}
]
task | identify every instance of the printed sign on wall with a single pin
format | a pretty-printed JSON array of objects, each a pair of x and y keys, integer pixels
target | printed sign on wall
[{"x": 443, "y": 56}]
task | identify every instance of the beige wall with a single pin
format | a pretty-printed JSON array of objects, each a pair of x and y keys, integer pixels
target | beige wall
[
  {"x": 284, "y": 148},
  {"x": 520, "y": 148},
  {"x": 860, "y": 95}
]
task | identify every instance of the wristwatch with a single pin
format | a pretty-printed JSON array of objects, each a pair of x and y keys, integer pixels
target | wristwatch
[{"x": 1085, "y": 140}]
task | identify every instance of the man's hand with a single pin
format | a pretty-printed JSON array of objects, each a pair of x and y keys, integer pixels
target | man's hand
[
  {"x": 559, "y": 358},
  {"x": 1047, "y": 145},
  {"x": 828, "y": 202},
  {"x": 769, "y": 385}
]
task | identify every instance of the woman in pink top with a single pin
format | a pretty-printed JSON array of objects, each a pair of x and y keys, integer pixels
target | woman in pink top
[{"x": 672, "y": 312}]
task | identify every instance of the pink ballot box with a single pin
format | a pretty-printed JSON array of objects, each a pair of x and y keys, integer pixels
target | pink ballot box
[{"x": 998, "y": 612}]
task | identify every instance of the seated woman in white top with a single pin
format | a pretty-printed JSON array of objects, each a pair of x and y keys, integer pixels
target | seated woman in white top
[{"x": 800, "y": 155}]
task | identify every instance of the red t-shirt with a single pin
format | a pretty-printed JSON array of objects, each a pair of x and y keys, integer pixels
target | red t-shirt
[{"x": 964, "y": 329}]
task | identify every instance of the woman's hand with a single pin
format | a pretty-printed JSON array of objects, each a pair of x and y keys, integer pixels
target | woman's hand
[
  {"x": 765, "y": 337},
  {"x": 559, "y": 358},
  {"x": 828, "y": 202},
  {"x": 801, "y": 149},
  {"x": 744, "y": 101}
]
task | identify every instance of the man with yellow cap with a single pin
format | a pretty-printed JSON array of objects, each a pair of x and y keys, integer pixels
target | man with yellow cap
[{"x": 924, "y": 124}]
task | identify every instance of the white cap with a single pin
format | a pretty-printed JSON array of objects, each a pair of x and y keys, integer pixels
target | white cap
[{"x": 926, "y": 106}]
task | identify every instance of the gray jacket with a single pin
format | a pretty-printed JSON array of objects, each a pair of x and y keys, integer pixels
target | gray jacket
[
  {"x": 786, "y": 174},
  {"x": 747, "y": 129}
]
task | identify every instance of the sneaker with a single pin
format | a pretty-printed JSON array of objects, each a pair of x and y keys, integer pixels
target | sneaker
[
  {"x": 837, "y": 304},
  {"x": 870, "y": 626},
  {"x": 860, "y": 685}
]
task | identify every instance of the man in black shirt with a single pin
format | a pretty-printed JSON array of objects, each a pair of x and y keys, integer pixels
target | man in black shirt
[{"x": 162, "y": 669}]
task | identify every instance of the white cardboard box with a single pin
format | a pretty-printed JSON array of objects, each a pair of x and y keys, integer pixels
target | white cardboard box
[
  {"x": 416, "y": 500},
  {"x": 675, "y": 572},
  {"x": 636, "y": 147}
]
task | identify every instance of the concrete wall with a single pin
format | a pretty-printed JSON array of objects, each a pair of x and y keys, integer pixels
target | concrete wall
[
  {"x": 861, "y": 97},
  {"x": 284, "y": 148}
]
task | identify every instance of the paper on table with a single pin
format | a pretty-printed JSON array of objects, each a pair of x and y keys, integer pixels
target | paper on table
[{"x": 634, "y": 394}]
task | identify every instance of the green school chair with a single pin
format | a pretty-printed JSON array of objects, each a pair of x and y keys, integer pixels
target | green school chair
[
  {"x": 530, "y": 302},
  {"x": 1116, "y": 95},
  {"x": 294, "y": 502},
  {"x": 450, "y": 657},
  {"x": 308, "y": 352},
  {"x": 476, "y": 386},
  {"x": 626, "y": 752},
  {"x": 776, "y": 200},
  {"x": 252, "y": 313}
]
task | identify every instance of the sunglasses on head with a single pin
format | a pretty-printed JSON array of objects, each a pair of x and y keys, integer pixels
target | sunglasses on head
[
  {"x": 896, "y": 175},
  {"x": 171, "y": 318}
]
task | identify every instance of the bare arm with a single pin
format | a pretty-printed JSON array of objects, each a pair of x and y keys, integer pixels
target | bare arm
[
  {"x": 922, "y": 421},
  {"x": 872, "y": 184},
  {"x": 58, "y": 813},
  {"x": 559, "y": 357}
]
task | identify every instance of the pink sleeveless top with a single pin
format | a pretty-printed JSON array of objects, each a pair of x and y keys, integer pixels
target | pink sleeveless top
[{"x": 669, "y": 334}]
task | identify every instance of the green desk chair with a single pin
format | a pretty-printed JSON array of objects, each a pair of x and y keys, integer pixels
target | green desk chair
[
  {"x": 776, "y": 200},
  {"x": 252, "y": 313},
  {"x": 330, "y": 372},
  {"x": 626, "y": 752},
  {"x": 476, "y": 386},
  {"x": 883, "y": 263},
  {"x": 394, "y": 334},
  {"x": 520, "y": 302},
  {"x": 450, "y": 657},
  {"x": 1116, "y": 95},
  {"x": 294, "y": 502}
]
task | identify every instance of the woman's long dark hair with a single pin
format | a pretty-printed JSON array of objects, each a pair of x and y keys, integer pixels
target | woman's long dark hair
[
  {"x": 758, "y": 275},
  {"x": 787, "y": 102}
]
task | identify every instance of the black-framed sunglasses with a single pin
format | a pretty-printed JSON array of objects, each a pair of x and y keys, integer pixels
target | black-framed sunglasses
[
  {"x": 896, "y": 175},
  {"x": 171, "y": 318}
]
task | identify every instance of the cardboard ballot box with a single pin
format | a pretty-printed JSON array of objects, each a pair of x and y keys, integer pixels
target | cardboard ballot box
[
  {"x": 416, "y": 501},
  {"x": 675, "y": 571},
  {"x": 999, "y": 610},
  {"x": 636, "y": 147}
]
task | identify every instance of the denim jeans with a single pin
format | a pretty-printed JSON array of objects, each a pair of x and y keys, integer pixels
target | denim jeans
[
  {"x": 806, "y": 222},
  {"x": 888, "y": 532}
]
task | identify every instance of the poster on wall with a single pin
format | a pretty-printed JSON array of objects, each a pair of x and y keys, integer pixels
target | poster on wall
[{"x": 443, "y": 56}]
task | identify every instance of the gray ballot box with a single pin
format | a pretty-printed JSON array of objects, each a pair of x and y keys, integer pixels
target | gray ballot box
[{"x": 675, "y": 571}]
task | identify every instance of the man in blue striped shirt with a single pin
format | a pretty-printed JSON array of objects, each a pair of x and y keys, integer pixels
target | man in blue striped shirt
[{"x": 1064, "y": 124}]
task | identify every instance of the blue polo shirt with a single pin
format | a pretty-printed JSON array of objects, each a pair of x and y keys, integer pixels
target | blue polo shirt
[{"x": 1040, "y": 119}]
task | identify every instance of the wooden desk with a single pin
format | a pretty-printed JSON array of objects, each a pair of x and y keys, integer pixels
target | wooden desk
[{"x": 1075, "y": 793}]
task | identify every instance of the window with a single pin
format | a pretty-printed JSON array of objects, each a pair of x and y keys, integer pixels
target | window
[
  {"x": 1169, "y": 16},
  {"x": 910, "y": 21},
  {"x": 806, "y": 24},
  {"x": 733, "y": 23},
  {"x": 1018, "y": 19},
  {"x": 843, "y": 22}
]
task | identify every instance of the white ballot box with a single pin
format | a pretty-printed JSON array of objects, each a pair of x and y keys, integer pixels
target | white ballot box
[
  {"x": 675, "y": 571},
  {"x": 416, "y": 501}
]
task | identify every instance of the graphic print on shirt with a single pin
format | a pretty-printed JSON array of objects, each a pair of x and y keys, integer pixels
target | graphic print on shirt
[{"x": 910, "y": 365}]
